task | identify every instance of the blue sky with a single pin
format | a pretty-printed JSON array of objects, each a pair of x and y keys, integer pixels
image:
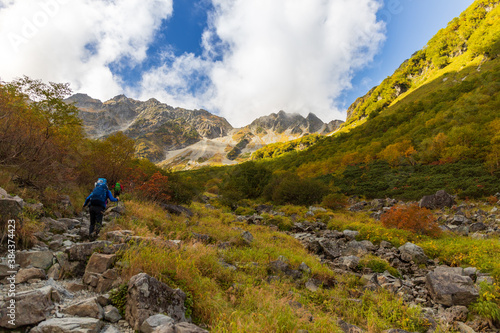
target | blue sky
[{"x": 237, "y": 58}]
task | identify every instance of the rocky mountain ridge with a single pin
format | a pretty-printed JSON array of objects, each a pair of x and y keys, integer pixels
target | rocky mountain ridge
[{"x": 189, "y": 138}]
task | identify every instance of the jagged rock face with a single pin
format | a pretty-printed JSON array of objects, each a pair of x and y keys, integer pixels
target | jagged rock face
[
  {"x": 156, "y": 126},
  {"x": 297, "y": 124},
  {"x": 159, "y": 128}
]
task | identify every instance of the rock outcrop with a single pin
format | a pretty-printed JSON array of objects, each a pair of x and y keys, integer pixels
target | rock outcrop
[{"x": 147, "y": 296}]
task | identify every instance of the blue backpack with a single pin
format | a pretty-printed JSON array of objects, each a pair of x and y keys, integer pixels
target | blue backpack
[{"x": 99, "y": 194}]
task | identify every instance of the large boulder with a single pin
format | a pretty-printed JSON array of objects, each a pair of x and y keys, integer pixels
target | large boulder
[
  {"x": 439, "y": 200},
  {"x": 330, "y": 248},
  {"x": 69, "y": 325},
  {"x": 411, "y": 252},
  {"x": 9, "y": 210},
  {"x": 177, "y": 210},
  {"x": 82, "y": 251},
  {"x": 26, "y": 274},
  {"x": 56, "y": 227},
  {"x": 99, "y": 263},
  {"x": 31, "y": 307},
  {"x": 38, "y": 259},
  {"x": 449, "y": 288},
  {"x": 86, "y": 308},
  {"x": 147, "y": 296},
  {"x": 150, "y": 324}
]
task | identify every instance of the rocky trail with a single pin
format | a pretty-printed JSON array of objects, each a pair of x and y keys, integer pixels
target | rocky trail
[{"x": 63, "y": 283}]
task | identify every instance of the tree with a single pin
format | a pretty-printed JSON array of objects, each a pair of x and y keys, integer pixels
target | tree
[
  {"x": 398, "y": 153},
  {"x": 39, "y": 133},
  {"x": 245, "y": 181},
  {"x": 109, "y": 158}
]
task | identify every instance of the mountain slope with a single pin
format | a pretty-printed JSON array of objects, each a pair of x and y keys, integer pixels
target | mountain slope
[
  {"x": 240, "y": 143},
  {"x": 475, "y": 33},
  {"x": 443, "y": 132}
]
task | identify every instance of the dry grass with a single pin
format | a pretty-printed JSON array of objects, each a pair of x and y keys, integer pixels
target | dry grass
[{"x": 241, "y": 300}]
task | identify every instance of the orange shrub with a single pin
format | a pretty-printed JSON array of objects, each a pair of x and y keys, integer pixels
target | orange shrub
[
  {"x": 492, "y": 200},
  {"x": 156, "y": 188},
  {"x": 413, "y": 218}
]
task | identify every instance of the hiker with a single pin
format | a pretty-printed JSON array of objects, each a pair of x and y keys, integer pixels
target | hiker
[
  {"x": 118, "y": 189},
  {"x": 97, "y": 200}
]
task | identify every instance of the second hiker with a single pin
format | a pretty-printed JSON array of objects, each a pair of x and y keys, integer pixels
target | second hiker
[
  {"x": 118, "y": 189},
  {"x": 97, "y": 200}
]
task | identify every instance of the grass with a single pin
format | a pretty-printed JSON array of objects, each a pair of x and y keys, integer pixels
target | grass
[
  {"x": 449, "y": 249},
  {"x": 242, "y": 300}
]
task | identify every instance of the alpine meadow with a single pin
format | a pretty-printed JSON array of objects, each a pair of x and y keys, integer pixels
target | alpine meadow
[{"x": 387, "y": 222}]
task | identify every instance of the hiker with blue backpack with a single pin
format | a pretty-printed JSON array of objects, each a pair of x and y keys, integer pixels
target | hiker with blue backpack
[{"x": 97, "y": 201}]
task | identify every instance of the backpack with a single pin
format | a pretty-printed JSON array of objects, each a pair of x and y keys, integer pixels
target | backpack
[
  {"x": 99, "y": 194},
  {"x": 118, "y": 187}
]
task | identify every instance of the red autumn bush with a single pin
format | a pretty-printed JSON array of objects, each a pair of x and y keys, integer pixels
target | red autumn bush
[
  {"x": 413, "y": 218},
  {"x": 156, "y": 188}
]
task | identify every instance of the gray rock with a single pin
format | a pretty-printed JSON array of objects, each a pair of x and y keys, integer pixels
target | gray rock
[
  {"x": 38, "y": 259},
  {"x": 75, "y": 287},
  {"x": 282, "y": 267},
  {"x": 359, "y": 206},
  {"x": 99, "y": 263},
  {"x": 351, "y": 234},
  {"x": 56, "y": 227},
  {"x": 31, "y": 308},
  {"x": 69, "y": 325},
  {"x": 478, "y": 227},
  {"x": 470, "y": 272},
  {"x": 451, "y": 289},
  {"x": 55, "y": 272},
  {"x": 86, "y": 308},
  {"x": 26, "y": 274},
  {"x": 348, "y": 328},
  {"x": 449, "y": 270},
  {"x": 147, "y": 296},
  {"x": 464, "y": 328},
  {"x": 110, "y": 329},
  {"x": 355, "y": 248},
  {"x": 330, "y": 248},
  {"x": 439, "y": 200},
  {"x": 9, "y": 209},
  {"x": 111, "y": 314},
  {"x": 459, "y": 220},
  {"x": 304, "y": 268},
  {"x": 150, "y": 324},
  {"x": 350, "y": 262},
  {"x": 313, "y": 285},
  {"x": 119, "y": 236},
  {"x": 247, "y": 237},
  {"x": 177, "y": 210},
  {"x": 412, "y": 252},
  {"x": 455, "y": 313},
  {"x": 180, "y": 328},
  {"x": 188, "y": 328},
  {"x": 82, "y": 251},
  {"x": 485, "y": 278}
]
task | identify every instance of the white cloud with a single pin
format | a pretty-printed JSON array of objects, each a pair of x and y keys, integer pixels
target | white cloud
[
  {"x": 259, "y": 56},
  {"x": 76, "y": 40},
  {"x": 291, "y": 55}
]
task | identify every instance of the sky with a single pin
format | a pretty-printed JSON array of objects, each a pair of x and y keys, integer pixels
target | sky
[{"x": 240, "y": 59}]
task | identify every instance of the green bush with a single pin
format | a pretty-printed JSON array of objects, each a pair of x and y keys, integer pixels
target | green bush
[
  {"x": 244, "y": 181},
  {"x": 286, "y": 188},
  {"x": 488, "y": 304}
]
